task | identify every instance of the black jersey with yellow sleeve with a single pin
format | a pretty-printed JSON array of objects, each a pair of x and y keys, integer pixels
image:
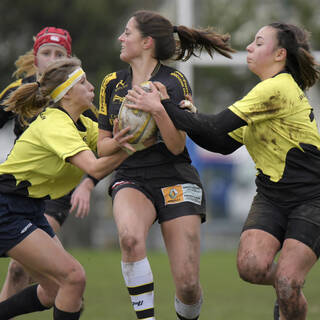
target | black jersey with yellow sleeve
[
  {"x": 282, "y": 139},
  {"x": 114, "y": 88},
  {"x": 37, "y": 166},
  {"x": 5, "y": 116}
]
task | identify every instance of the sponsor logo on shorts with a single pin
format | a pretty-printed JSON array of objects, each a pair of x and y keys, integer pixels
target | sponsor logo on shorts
[
  {"x": 186, "y": 192},
  {"x": 26, "y": 228}
]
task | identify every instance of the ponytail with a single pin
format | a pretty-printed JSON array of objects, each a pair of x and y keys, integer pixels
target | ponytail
[
  {"x": 31, "y": 98},
  {"x": 190, "y": 40}
]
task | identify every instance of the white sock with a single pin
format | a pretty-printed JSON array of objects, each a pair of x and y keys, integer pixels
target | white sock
[
  {"x": 139, "y": 281},
  {"x": 187, "y": 311}
]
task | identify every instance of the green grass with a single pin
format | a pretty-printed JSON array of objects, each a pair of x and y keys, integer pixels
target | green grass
[{"x": 225, "y": 295}]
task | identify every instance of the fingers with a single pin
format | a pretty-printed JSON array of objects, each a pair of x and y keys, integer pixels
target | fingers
[
  {"x": 188, "y": 106},
  {"x": 162, "y": 89},
  {"x": 82, "y": 206},
  {"x": 189, "y": 98}
]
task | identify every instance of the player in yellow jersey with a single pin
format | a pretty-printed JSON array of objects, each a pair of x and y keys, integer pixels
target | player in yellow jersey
[
  {"x": 276, "y": 124},
  {"x": 47, "y": 161},
  {"x": 50, "y": 44}
]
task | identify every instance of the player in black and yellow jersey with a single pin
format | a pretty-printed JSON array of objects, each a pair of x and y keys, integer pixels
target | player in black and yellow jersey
[
  {"x": 159, "y": 182},
  {"x": 50, "y": 44},
  {"x": 276, "y": 124},
  {"x": 47, "y": 161}
]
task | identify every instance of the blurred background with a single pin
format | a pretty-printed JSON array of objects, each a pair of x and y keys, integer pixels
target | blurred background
[{"x": 95, "y": 26}]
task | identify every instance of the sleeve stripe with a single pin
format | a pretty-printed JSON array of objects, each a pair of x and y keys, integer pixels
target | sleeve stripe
[
  {"x": 182, "y": 81},
  {"x": 103, "y": 105},
  {"x": 11, "y": 86}
]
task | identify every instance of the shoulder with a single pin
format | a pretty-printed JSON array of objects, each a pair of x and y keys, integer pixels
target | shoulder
[
  {"x": 15, "y": 85},
  {"x": 114, "y": 77},
  {"x": 88, "y": 122},
  {"x": 175, "y": 81},
  {"x": 280, "y": 82},
  {"x": 10, "y": 88},
  {"x": 53, "y": 117},
  {"x": 29, "y": 79},
  {"x": 171, "y": 74}
]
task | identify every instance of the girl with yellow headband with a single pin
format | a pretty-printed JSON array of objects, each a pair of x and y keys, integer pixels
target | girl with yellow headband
[
  {"x": 50, "y": 44},
  {"x": 46, "y": 162}
]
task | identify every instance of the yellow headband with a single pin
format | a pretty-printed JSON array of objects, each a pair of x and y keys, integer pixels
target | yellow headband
[{"x": 64, "y": 87}]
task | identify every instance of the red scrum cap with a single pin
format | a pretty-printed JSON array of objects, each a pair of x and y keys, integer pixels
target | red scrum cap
[{"x": 52, "y": 35}]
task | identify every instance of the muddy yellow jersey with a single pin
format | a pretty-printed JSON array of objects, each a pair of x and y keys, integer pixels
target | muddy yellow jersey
[
  {"x": 281, "y": 136},
  {"x": 37, "y": 165}
]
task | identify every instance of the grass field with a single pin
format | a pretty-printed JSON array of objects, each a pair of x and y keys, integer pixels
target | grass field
[{"x": 225, "y": 295}]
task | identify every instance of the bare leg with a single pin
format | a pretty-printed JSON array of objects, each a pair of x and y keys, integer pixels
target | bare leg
[
  {"x": 295, "y": 261},
  {"x": 17, "y": 277},
  {"x": 44, "y": 256},
  {"x": 16, "y": 280},
  {"x": 134, "y": 214},
  {"x": 256, "y": 253},
  {"x": 182, "y": 239}
]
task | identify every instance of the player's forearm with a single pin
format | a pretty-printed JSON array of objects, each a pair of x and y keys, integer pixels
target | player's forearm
[
  {"x": 105, "y": 165},
  {"x": 173, "y": 138},
  {"x": 207, "y": 130},
  {"x": 107, "y": 147}
]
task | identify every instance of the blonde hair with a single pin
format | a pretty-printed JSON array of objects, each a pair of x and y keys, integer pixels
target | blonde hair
[
  {"x": 31, "y": 98},
  {"x": 25, "y": 65}
]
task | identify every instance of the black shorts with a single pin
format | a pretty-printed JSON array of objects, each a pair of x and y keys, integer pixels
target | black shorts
[
  {"x": 59, "y": 208},
  {"x": 300, "y": 222},
  {"x": 175, "y": 190},
  {"x": 20, "y": 216}
]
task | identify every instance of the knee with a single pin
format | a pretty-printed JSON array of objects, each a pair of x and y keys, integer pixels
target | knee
[
  {"x": 288, "y": 287},
  {"x": 75, "y": 276},
  {"x": 188, "y": 287},
  {"x": 131, "y": 244},
  {"x": 16, "y": 272},
  {"x": 252, "y": 269}
]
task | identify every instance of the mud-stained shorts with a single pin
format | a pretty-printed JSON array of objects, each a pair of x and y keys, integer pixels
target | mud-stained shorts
[
  {"x": 59, "y": 208},
  {"x": 175, "y": 190},
  {"x": 300, "y": 222}
]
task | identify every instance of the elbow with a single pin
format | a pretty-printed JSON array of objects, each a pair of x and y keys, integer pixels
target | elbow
[
  {"x": 99, "y": 152},
  {"x": 176, "y": 150},
  {"x": 92, "y": 171}
]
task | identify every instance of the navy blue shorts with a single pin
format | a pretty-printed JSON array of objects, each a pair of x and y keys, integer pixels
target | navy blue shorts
[
  {"x": 19, "y": 216},
  {"x": 174, "y": 189}
]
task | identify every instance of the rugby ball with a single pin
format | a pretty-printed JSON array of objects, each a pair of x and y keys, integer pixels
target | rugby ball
[{"x": 141, "y": 123}]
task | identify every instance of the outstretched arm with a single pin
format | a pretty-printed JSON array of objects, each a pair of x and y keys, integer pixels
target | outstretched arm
[{"x": 208, "y": 131}]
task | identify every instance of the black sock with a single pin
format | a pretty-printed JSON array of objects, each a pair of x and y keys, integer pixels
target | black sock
[
  {"x": 63, "y": 315},
  {"x": 182, "y": 318},
  {"x": 25, "y": 301}
]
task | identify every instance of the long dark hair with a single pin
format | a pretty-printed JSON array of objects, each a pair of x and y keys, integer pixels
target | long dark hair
[
  {"x": 300, "y": 62},
  {"x": 190, "y": 40}
]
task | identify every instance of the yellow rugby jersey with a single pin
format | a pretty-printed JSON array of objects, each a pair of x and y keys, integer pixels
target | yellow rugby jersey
[
  {"x": 37, "y": 166},
  {"x": 281, "y": 136}
]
